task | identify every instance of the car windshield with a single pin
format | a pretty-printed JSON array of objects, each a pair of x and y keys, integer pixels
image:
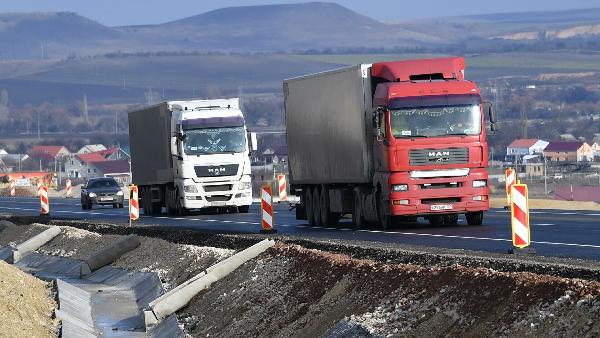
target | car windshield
[
  {"x": 436, "y": 121},
  {"x": 214, "y": 140},
  {"x": 102, "y": 184}
]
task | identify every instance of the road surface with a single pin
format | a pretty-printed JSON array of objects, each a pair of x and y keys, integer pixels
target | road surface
[{"x": 558, "y": 233}]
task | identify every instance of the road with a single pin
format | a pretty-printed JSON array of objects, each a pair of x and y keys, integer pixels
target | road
[{"x": 558, "y": 233}]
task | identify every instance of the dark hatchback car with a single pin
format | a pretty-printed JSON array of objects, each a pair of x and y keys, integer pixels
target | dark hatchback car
[{"x": 101, "y": 191}]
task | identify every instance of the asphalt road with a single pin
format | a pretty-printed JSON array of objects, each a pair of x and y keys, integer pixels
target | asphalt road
[{"x": 557, "y": 233}]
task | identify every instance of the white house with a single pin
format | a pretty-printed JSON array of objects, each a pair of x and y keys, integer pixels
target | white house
[
  {"x": 91, "y": 148},
  {"x": 520, "y": 148}
]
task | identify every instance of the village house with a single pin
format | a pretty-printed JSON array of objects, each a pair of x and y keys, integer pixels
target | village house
[{"x": 565, "y": 151}]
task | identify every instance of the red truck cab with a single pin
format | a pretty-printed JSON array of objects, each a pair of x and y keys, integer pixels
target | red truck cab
[{"x": 431, "y": 140}]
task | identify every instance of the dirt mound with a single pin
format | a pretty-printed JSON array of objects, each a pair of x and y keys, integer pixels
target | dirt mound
[
  {"x": 26, "y": 305},
  {"x": 292, "y": 291}
]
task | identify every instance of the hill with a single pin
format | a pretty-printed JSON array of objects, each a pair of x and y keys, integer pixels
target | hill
[{"x": 280, "y": 28}]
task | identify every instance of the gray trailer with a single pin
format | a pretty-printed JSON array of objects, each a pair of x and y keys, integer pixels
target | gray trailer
[
  {"x": 149, "y": 139},
  {"x": 327, "y": 135}
]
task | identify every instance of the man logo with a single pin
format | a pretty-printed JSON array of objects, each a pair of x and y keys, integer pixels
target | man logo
[{"x": 439, "y": 153}]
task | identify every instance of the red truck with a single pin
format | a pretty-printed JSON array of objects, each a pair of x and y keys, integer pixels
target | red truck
[{"x": 387, "y": 142}]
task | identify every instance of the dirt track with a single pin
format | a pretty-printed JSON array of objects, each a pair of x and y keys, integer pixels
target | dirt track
[{"x": 294, "y": 291}]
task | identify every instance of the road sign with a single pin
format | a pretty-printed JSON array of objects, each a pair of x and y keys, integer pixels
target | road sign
[
  {"x": 282, "y": 183},
  {"x": 266, "y": 210},
  {"x": 520, "y": 216}
]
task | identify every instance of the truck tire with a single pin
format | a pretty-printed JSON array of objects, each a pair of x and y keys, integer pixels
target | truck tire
[
  {"x": 328, "y": 218},
  {"x": 358, "y": 219},
  {"x": 308, "y": 205},
  {"x": 243, "y": 209},
  {"x": 317, "y": 207},
  {"x": 474, "y": 218},
  {"x": 386, "y": 221}
]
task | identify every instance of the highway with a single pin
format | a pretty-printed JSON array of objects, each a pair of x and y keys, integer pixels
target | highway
[{"x": 558, "y": 233}]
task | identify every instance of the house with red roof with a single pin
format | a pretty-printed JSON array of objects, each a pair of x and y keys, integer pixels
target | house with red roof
[
  {"x": 569, "y": 151},
  {"x": 97, "y": 164}
]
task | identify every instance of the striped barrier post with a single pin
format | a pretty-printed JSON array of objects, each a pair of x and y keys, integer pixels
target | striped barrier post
[
  {"x": 39, "y": 187},
  {"x": 13, "y": 190},
  {"x": 44, "y": 202},
  {"x": 510, "y": 176},
  {"x": 69, "y": 189},
  {"x": 521, "y": 234},
  {"x": 282, "y": 187},
  {"x": 266, "y": 210},
  {"x": 134, "y": 206}
]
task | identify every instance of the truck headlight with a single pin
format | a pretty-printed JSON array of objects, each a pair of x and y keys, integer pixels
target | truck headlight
[
  {"x": 191, "y": 189},
  {"x": 479, "y": 184},
  {"x": 400, "y": 187},
  {"x": 92, "y": 195},
  {"x": 245, "y": 185},
  {"x": 119, "y": 193}
]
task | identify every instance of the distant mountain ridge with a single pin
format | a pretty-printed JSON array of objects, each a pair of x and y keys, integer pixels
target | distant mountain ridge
[{"x": 276, "y": 28}]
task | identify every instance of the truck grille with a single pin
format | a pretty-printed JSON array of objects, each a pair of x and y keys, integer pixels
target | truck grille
[
  {"x": 441, "y": 185},
  {"x": 223, "y": 187},
  {"x": 216, "y": 170},
  {"x": 419, "y": 157},
  {"x": 222, "y": 198}
]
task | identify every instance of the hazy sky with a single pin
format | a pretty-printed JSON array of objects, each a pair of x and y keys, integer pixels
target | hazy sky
[{"x": 133, "y": 12}]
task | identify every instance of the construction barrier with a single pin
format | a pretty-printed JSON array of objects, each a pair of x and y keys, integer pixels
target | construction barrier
[
  {"x": 44, "y": 202},
  {"x": 39, "y": 187},
  {"x": 69, "y": 189},
  {"x": 13, "y": 190},
  {"x": 134, "y": 207},
  {"x": 282, "y": 183},
  {"x": 511, "y": 178},
  {"x": 266, "y": 210},
  {"x": 520, "y": 216}
]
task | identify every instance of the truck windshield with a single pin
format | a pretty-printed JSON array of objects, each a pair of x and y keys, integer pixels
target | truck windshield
[
  {"x": 436, "y": 121},
  {"x": 214, "y": 140}
]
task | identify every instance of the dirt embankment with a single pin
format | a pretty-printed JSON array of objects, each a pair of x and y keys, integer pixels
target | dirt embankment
[
  {"x": 26, "y": 305},
  {"x": 291, "y": 291}
]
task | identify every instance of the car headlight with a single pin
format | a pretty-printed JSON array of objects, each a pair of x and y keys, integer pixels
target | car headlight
[
  {"x": 191, "y": 189},
  {"x": 119, "y": 193},
  {"x": 479, "y": 184},
  {"x": 245, "y": 185},
  {"x": 400, "y": 187},
  {"x": 92, "y": 195}
]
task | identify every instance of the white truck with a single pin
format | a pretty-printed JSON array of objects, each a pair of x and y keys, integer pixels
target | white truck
[{"x": 191, "y": 155}]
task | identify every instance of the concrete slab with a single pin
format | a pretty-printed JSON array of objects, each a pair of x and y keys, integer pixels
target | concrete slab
[
  {"x": 50, "y": 267},
  {"x": 6, "y": 254}
]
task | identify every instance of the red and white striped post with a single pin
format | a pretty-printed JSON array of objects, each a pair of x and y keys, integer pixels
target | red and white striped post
[
  {"x": 134, "y": 207},
  {"x": 44, "y": 201},
  {"x": 13, "y": 190},
  {"x": 69, "y": 189},
  {"x": 282, "y": 183},
  {"x": 266, "y": 210},
  {"x": 521, "y": 234},
  {"x": 511, "y": 178}
]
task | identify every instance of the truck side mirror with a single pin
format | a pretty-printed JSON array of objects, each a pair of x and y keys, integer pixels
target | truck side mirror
[
  {"x": 488, "y": 108},
  {"x": 174, "y": 148},
  {"x": 252, "y": 142}
]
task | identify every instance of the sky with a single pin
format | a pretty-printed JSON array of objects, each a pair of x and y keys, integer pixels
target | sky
[{"x": 136, "y": 12}]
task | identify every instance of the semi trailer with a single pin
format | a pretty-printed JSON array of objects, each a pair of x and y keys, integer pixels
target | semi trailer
[
  {"x": 191, "y": 155},
  {"x": 388, "y": 141}
]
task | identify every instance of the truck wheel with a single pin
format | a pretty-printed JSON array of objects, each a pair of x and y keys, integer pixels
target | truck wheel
[
  {"x": 358, "y": 219},
  {"x": 386, "y": 221},
  {"x": 243, "y": 209},
  {"x": 436, "y": 220},
  {"x": 308, "y": 205},
  {"x": 451, "y": 219},
  {"x": 328, "y": 218},
  {"x": 317, "y": 207},
  {"x": 475, "y": 218}
]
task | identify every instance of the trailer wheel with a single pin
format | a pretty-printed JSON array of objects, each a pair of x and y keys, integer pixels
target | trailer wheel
[
  {"x": 308, "y": 205},
  {"x": 316, "y": 204},
  {"x": 358, "y": 219},
  {"x": 475, "y": 218},
  {"x": 328, "y": 218}
]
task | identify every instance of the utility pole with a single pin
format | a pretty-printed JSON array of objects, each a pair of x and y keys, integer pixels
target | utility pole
[{"x": 38, "y": 125}]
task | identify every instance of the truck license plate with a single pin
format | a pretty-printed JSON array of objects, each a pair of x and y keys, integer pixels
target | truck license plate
[
  {"x": 218, "y": 204},
  {"x": 438, "y": 207}
]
